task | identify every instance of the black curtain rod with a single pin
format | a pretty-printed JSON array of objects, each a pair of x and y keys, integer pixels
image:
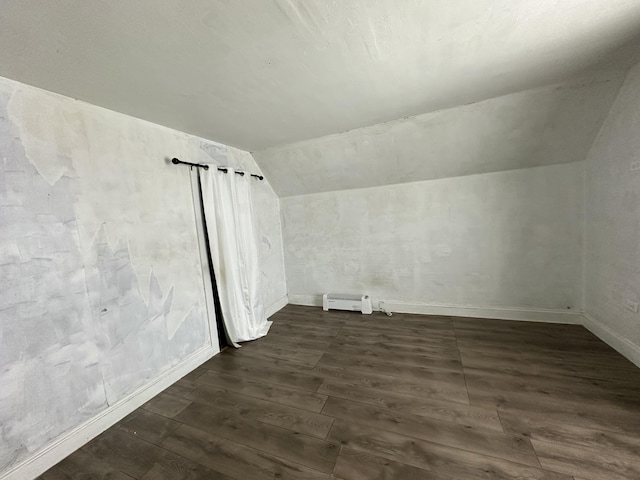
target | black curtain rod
[{"x": 176, "y": 161}]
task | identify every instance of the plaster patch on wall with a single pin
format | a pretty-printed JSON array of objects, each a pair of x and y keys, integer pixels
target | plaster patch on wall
[
  {"x": 32, "y": 117},
  {"x": 118, "y": 164},
  {"x": 50, "y": 378},
  {"x": 133, "y": 332},
  {"x": 225, "y": 156},
  {"x": 76, "y": 333},
  {"x": 441, "y": 250},
  {"x": 217, "y": 153}
]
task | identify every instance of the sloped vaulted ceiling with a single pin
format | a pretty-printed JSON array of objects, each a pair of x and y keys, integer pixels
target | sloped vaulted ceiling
[
  {"x": 260, "y": 74},
  {"x": 543, "y": 126}
]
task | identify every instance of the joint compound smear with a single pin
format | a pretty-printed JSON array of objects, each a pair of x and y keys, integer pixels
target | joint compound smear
[{"x": 76, "y": 332}]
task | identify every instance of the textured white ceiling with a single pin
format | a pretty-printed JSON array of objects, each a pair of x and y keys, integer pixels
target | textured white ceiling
[{"x": 261, "y": 73}]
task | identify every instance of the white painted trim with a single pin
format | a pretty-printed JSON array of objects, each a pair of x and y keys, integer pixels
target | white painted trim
[
  {"x": 500, "y": 313},
  {"x": 69, "y": 442},
  {"x": 622, "y": 345},
  {"x": 276, "y": 306}
]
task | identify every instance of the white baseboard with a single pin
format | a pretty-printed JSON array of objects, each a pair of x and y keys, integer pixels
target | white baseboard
[
  {"x": 501, "y": 313},
  {"x": 276, "y": 306},
  {"x": 623, "y": 346},
  {"x": 69, "y": 442}
]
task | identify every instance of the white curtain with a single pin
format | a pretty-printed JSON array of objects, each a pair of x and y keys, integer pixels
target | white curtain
[{"x": 233, "y": 242}]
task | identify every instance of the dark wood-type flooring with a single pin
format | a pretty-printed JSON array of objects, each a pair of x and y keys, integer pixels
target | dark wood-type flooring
[{"x": 364, "y": 397}]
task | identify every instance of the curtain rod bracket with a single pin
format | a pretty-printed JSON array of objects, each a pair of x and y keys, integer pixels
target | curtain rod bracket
[{"x": 175, "y": 161}]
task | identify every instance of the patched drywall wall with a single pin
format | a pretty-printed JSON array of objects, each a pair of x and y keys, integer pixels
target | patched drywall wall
[
  {"x": 102, "y": 287},
  {"x": 545, "y": 126},
  {"x": 506, "y": 239},
  {"x": 612, "y": 213}
]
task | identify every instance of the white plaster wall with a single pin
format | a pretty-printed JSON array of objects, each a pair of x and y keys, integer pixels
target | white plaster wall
[
  {"x": 545, "y": 126},
  {"x": 612, "y": 246},
  {"x": 101, "y": 287},
  {"x": 506, "y": 239}
]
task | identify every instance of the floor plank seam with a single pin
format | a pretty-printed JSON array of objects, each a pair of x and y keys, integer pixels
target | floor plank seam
[
  {"x": 501, "y": 423},
  {"x": 464, "y": 375},
  {"x": 413, "y": 437},
  {"x": 251, "y": 447}
]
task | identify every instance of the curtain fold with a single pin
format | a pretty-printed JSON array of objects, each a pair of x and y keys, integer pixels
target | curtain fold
[{"x": 234, "y": 251}]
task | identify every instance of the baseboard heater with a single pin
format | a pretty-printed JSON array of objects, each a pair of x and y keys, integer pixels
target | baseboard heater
[{"x": 342, "y": 301}]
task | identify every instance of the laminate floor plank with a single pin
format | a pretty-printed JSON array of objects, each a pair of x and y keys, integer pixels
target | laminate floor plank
[
  {"x": 587, "y": 462},
  {"x": 82, "y": 466},
  {"x": 324, "y": 321},
  {"x": 254, "y": 368},
  {"x": 541, "y": 428},
  {"x": 357, "y": 465},
  {"x": 181, "y": 388},
  {"x": 166, "y": 405},
  {"x": 269, "y": 360},
  {"x": 342, "y": 396},
  {"x": 454, "y": 391},
  {"x": 149, "y": 426},
  {"x": 580, "y": 364},
  {"x": 234, "y": 459},
  {"x": 558, "y": 349},
  {"x": 266, "y": 391},
  {"x": 516, "y": 448},
  {"x": 395, "y": 336},
  {"x": 450, "y": 349},
  {"x": 184, "y": 470},
  {"x": 561, "y": 387},
  {"x": 298, "y": 420},
  {"x": 136, "y": 457},
  {"x": 513, "y": 364},
  {"x": 309, "y": 451},
  {"x": 443, "y": 332},
  {"x": 484, "y": 325},
  {"x": 402, "y": 319},
  {"x": 436, "y": 459},
  {"x": 580, "y": 409},
  {"x": 301, "y": 343},
  {"x": 319, "y": 333},
  {"x": 303, "y": 358},
  {"x": 449, "y": 360},
  {"x": 418, "y": 405},
  {"x": 444, "y": 371}
]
